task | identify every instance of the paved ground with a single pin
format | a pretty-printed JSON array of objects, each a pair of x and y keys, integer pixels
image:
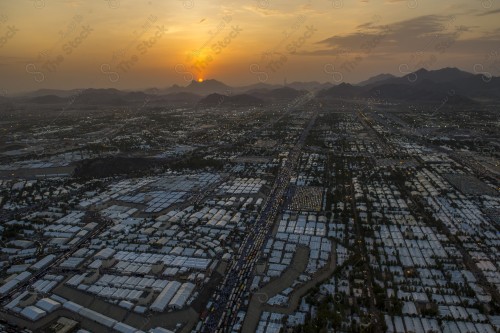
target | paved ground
[
  {"x": 38, "y": 325},
  {"x": 168, "y": 319},
  {"x": 188, "y": 317}
]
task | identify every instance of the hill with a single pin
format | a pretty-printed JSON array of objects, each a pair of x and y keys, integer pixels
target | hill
[{"x": 242, "y": 100}]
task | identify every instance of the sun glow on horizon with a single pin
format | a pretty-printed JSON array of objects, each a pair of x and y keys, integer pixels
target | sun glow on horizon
[{"x": 238, "y": 45}]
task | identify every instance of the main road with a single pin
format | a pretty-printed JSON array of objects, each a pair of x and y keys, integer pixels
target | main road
[{"x": 228, "y": 298}]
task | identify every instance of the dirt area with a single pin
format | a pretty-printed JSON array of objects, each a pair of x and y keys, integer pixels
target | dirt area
[
  {"x": 258, "y": 299},
  {"x": 299, "y": 263}
]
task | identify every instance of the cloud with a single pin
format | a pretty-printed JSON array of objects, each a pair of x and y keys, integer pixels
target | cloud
[
  {"x": 420, "y": 33},
  {"x": 264, "y": 11},
  {"x": 9, "y": 60},
  {"x": 491, "y": 12}
]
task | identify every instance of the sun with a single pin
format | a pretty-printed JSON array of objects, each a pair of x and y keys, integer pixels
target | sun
[{"x": 200, "y": 80}]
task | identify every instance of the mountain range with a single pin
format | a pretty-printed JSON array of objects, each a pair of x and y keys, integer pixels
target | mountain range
[
  {"x": 458, "y": 86},
  {"x": 423, "y": 86},
  {"x": 214, "y": 100}
]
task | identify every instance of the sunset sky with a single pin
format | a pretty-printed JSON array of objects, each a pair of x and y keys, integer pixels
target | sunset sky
[{"x": 131, "y": 44}]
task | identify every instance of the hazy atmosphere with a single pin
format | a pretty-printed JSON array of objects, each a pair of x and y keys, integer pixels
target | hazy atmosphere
[
  {"x": 140, "y": 44},
  {"x": 189, "y": 166}
]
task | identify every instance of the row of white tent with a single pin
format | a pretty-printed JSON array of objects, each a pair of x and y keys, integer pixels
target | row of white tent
[
  {"x": 422, "y": 325},
  {"x": 168, "y": 260}
]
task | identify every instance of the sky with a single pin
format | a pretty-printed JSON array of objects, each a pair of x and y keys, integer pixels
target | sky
[{"x": 133, "y": 44}]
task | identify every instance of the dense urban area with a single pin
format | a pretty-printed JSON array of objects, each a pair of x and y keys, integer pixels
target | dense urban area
[{"x": 283, "y": 211}]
